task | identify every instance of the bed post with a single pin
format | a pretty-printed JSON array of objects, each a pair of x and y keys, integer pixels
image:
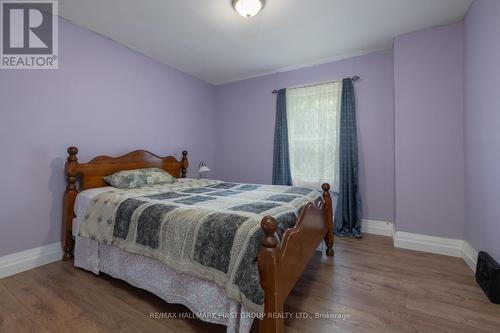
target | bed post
[
  {"x": 327, "y": 200},
  {"x": 71, "y": 171},
  {"x": 185, "y": 164},
  {"x": 272, "y": 321}
]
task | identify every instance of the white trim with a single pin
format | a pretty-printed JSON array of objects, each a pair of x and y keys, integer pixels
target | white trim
[
  {"x": 439, "y": 245},
  {"x": 376, "y": 227},
  {"x": 469, "y": 254},
  {"x": 25, "y": 260},
  {"x": 425, "y": 243}
]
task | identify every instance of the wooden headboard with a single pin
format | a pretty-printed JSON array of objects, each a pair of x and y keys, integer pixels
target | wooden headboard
[
  {"x": 91, "y": 174},
  {"x": 84, "y": 176}
]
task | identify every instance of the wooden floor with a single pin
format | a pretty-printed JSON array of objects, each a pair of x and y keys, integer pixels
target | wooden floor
[{"x": 376, "y": 287}]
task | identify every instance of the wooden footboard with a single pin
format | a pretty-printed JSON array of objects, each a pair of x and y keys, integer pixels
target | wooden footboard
[{"x": 281, "y": 264}]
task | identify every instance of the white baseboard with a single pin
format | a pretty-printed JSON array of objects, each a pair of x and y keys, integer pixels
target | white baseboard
[
  {"x": 376, "y": 227},
  {"x": 439, "y": 245},
  {"x": 22, "y": 261},
  {"x": 425, "y": 243},
  {"x": 25, "y": 260},
  {"x": 469, "y": 254}
]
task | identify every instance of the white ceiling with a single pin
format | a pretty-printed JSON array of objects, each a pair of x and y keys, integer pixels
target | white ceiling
[{"x": 209, "y": 40}]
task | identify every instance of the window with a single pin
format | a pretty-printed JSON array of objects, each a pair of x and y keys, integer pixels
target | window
[{"x": 313, "y": 116}]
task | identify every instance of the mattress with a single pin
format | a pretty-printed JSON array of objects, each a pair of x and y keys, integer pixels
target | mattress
[{"x": 204, "y": 298}]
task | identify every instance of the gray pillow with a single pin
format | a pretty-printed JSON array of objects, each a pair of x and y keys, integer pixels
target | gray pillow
[{"x": 138, "y": 178}]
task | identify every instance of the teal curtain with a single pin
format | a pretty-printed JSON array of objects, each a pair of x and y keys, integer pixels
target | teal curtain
[
  {"x": 281, "y": 160},
  {"x": 348, "y": 211}
]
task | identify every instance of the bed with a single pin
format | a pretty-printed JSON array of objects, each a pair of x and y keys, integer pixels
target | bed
[{"x": 281, "y": 255}]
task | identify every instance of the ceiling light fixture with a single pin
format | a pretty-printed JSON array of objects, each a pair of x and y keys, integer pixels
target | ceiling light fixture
[{"x": 248, "y": 8}]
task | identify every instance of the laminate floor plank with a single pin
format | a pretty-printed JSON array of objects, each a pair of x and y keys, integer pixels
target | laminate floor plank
[{"x": 369, "y": 286}]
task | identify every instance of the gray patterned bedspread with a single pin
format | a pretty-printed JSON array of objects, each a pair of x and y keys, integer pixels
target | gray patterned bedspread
[{"x": 208, "y": 228}]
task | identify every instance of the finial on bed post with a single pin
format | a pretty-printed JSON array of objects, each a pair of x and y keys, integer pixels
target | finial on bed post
[
  {"x": 71, "y": 170},
  {"x": 269, "y": 225},
  {"x": 185, "y": 164},
  {"x": 327, "y": 202},
  {"x": 72, "y": 152}
]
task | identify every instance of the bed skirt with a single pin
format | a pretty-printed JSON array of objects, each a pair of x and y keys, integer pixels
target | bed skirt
[{"x": 207, "y": 300}]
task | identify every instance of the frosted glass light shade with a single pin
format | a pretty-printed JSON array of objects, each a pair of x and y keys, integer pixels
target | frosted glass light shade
[
  {"x": 248, "y": 8},
  {"x": 203, "y": 168}
]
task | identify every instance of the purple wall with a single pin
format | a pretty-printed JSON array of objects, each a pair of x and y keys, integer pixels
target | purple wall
[
  {"x": 103, "y": 99},
  {"x": 482, "y": 121},
  {"x": 245, "y": 114},
  {"x": 412, "y": 127},
  {"x": 428, "y": 68}
]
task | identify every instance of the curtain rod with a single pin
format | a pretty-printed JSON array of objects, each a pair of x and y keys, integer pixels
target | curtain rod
[{"x": 354, "y": 78}]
